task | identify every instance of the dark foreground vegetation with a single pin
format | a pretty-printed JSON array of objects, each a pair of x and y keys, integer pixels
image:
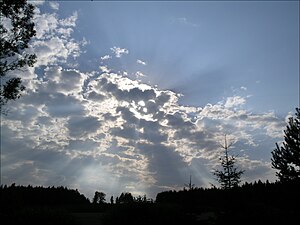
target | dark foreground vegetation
[
  {"x": 258, "y": 203},
  {"x": 255, "y": 203}
]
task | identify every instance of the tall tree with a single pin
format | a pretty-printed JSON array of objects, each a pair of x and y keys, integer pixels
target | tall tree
[
  {"x": 229, "y": 176},
  {"x": 190, "y": 185},
  {"x": 125, "y": 198},
  {"x": 99, "y": 198},
  {"x": 286, "y": 158},
  {"x": 16, "y": 30}
]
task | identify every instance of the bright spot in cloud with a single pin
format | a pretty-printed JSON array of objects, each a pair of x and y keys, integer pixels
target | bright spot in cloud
[{"x": 141, "y": 103}]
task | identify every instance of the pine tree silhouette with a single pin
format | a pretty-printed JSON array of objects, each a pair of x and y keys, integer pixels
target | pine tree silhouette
[
  {"x": 286, "y": 158},
  {"x": 229, "y": 176}
]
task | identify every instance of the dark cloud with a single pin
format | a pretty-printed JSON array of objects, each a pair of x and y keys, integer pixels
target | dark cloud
[
  {"x": 151, "y": 132},
  {"x": 60, "y": 105},
  {"x": 81, "y": 126},
  {"x": 80, "y": 145},
  {"x": 134, "y": 94},
  {"x": 177, "y": 121},
  {"x": 127, "y": 115},
  {"x": 94, "y": 96},
  {"x": 165, "y": 164},
  {"x": 109, "y": 116},
  {"x": 129, "y": 132}
]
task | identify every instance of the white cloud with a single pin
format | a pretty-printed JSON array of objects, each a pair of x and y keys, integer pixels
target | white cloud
[
  {"x": 141, "y": 62},
  {"x": 54, "y": 5},
  {"x": 50, "y": 51},
  {"x": 104, "y": 69},
  {"x": 66, "y": 32},
  {"x": 70, "y": 21},
  {"x": 45, "y": 24},
  {"x": 53, "y": 42},
  {"x": 184, "y": 21},
  {"x": 119, "y": 51},
  {"x": 139, "y": 74},
  {"x": 37, "y": 3},
  {"x": 234, "y": 101},
  {"x": 105, "y": 57}
]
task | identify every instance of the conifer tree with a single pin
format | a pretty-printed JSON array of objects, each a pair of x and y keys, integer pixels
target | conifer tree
[
  {"x": 190, "y": 185},
  {"x": 286, "y": 158},
  {"x": 229, "y": 176}
]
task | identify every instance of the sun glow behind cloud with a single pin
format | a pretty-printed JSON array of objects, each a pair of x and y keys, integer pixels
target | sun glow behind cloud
[{"x": 105, "y": 130}]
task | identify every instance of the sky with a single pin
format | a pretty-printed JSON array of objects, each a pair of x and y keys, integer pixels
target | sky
[{"x": 137, "y": 96}]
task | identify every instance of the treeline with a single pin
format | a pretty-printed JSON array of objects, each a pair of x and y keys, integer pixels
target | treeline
[
  {"x": 40, "y": 196},
  {"x": 251, "y": 203},
  {"x": 124, "y": 198},
  {"x": 273, "y": 193},
  {"x": 22, "y": 205}
]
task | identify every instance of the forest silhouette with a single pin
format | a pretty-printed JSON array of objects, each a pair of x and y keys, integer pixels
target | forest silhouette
[{"x": 251, "y": 203}]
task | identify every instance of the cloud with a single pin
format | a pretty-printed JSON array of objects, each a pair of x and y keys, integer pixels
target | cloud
[
  {"x": 67, "y": 81},
  {"x": 69, "y": 21},
  {"x": 53, "y": 44},
  {"x": 139, "y": 74},
  {"x": 234, "y": 101},
  {"x": 54, "y": 5},
  {"x": 37, "y": 3},
  {"x": 105, "y": 57},
  {"x": 129, "y": 130},
  {"x": 104, "y": 69},
  {"x": 62, "y": 106},
  {"x": 141, "y": 62},
  {"x": 184, "y": 21},
  {"x": 45, "y": 24},
  {"x": 119, "y": 51},
  {"x": 82, "y": 126}
]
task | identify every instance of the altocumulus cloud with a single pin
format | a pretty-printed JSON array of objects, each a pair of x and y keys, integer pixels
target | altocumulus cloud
[
  {"x": 119, "y": 51},
  {"x": 104, "y": 130}
]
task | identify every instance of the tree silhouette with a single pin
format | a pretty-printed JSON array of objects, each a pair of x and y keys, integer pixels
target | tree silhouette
[
  {"x": 286, "y": 158},
  {"x": 142, "y": 199},
  {"x": 99, "y": 198},
  {"x": 229, "y": 176},
  {"x": 16, "y": 30},
  {"x": 125, "y": 198},
  {"x": 190, "y": 185}
]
